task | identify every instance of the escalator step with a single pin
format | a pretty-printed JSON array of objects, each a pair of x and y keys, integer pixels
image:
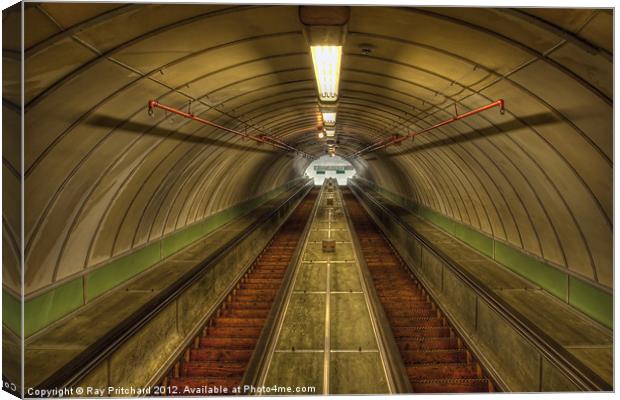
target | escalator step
[
  {"x": 452, "y": 386},
  {"x": 213, "y": 369},
  {"x": 443, "y": 371},
  {"x": 412, "y": 357},
  {"x": 220, "y": 355},
  {"x": 243, "y": 331},
  {"x": 241, "y": 343}
]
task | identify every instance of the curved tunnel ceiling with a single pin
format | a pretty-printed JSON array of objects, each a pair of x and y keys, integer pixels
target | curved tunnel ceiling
[{"x": 103, "y": 177}]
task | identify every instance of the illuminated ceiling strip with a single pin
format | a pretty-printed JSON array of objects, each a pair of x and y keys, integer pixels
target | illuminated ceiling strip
[
  {"x": 329, "y": 118},
  {"x": 326, "y": 61}
]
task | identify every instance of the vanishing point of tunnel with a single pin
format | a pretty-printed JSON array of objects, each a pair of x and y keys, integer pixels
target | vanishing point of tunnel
[{"x": 278, "y": 199}]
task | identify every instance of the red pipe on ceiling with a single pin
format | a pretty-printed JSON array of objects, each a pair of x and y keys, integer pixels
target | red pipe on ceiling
[
  {"x": 394, "y": 139},
  {"x": 259, "y": 138}
]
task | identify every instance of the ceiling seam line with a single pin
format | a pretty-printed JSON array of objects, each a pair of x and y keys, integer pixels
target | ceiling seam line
[
  {"x": 50, "y": 17},
  {"x": 517, "y": 44},
  {"x": 69, "y": 31},
  {"x": 473, "y": 157},
  {"x": 182, "y": 93},
  {"x": 170, "y": 90},
  {"x": 580, "y": 80},
  {"x": 565, "y": 35},
  {"x": 74, "y": 30},
  {"x": 139, "y": 39},
  {"x": 552, "y": 109},
  {"x": 197, "y": 174},
  {"x": 218, "y": 110},
  {"x": 11, "y": 168},
  {"x": 510, "y": 184},
  {"x": 162, "y": 186}
]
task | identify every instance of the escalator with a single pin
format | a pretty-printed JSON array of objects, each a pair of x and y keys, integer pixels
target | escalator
[
  {"x": 219, "y": 356},
  {"x": 435, "y": 357}
]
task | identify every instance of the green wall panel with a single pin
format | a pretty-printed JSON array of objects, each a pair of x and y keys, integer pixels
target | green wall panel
[
  {"x": 173, "y": 243},
  {"x": 215, "y": 221},
  {"x": 475, "y": 239},
  {"x": 591, "y": 300},
  {"x": 11, "y": 311},
  {"x": 443, "y": 222},
  {"x": 47, "y": 308},
  {"x": 120, "y": 270},
  {"x": 549, "y": 278}
]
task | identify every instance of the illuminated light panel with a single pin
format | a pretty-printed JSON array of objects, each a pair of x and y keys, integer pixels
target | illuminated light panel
[
  {"x": 329, "y": 118},
  {"x": 326, "y": 60},
  {"x": 330, "y": 132}
]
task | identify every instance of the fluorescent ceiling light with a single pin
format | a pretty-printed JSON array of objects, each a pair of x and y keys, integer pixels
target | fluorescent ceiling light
[
  {"x": 326, "y": 60},
  {"x": 330, "y": 132},
  {"x": 329, "y": 118}
]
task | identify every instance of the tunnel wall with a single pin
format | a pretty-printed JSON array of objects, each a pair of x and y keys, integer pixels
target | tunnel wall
[
  {"x": 12, "y": 340},
  {"x": 43, "y": 309},
  {"x": 539, "y": 176},
  {"x": 506, "y": 192},
  {"x": 104, "y": 179},
  {"x": 147, "y": 203}
]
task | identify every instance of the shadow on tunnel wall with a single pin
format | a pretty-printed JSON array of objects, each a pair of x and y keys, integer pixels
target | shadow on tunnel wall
[{"x": 503, "y": 128}]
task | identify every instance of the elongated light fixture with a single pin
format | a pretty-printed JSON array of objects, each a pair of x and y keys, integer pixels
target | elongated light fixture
[
  {"x": 329, "y": 118},
  {"x": 326, "y": 60},
  {"x": 330, "y": 132}
]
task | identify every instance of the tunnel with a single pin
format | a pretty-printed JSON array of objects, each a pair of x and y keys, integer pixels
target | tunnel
[{"x": 252, "y": 199}]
